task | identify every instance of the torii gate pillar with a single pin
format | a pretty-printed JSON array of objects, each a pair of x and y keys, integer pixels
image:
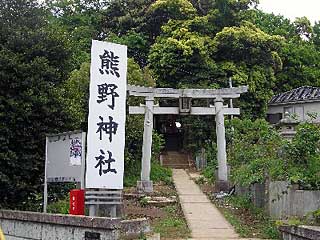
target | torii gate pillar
[
  {"x": 145, "y": 185},
  {"x": 222, "y": 183}
]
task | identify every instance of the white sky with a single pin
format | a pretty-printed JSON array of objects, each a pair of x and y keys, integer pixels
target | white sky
[{"x": 293, "y": 8}]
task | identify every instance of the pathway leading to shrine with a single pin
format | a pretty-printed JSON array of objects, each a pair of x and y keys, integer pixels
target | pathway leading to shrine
[{"x": 203, "y": 218}]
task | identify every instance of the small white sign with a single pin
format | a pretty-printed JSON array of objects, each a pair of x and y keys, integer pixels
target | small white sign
[
  {"x": 75, "y": 152},
  {"x": 107, "y": 114}
]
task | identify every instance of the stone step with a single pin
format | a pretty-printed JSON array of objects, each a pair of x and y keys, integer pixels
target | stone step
[
  {"x": 177, "y": 166},
  {"x": 176, "y": 160}
]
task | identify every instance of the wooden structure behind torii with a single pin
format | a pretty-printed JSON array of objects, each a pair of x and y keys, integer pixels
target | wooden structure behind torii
[{"x": 185, "y": 107}]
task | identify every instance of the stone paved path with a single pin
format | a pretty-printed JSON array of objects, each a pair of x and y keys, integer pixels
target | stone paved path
[{"x": 203, "y": 218}]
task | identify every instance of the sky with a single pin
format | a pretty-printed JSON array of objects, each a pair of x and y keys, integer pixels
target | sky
[{"x": 293, "y": 8}]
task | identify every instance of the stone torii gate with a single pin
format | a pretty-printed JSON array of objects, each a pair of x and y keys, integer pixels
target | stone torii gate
[{"x": 185, "y": 108}]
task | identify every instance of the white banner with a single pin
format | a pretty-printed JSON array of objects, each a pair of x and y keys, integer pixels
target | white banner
[{"x": 107, "y": 114}]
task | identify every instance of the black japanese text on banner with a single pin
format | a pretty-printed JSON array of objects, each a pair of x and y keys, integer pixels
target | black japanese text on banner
[{"x": 107, "y": 113}]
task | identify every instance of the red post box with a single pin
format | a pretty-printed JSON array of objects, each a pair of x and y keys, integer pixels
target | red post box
[{"x": 76, "y": 202}]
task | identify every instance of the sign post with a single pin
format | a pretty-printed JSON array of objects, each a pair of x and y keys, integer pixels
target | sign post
[
  {"x": 107, "y": 114},
  {"x": 64, "y": 160}
]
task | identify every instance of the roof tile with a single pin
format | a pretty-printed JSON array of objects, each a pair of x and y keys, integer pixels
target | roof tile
[{"x": 304, "y": 93}]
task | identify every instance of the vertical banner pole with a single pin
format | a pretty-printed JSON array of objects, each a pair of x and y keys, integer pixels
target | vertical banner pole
[
  {"x": 45, "y": 192},
  {"x": 92, "y": 210},
  {"x": 83, "y": 160}
]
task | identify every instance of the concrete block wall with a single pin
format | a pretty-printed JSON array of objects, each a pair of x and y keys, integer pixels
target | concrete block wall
[
  {"x": 18, "y": 225},
  {"x": 300, "y": 232},
  {"x": 281, "y": 199},
  {"x": 286, "y": 201},
  {"x": 257, "y": 193}
]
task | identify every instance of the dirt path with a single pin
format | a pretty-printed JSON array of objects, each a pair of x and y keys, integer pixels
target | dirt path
[{"x": 203, "y": 218}]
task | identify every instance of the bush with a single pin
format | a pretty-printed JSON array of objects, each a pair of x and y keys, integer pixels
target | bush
[
  {"x": 257, "y": 152},
  {"x": 302, "y": 157},
  {"x": 253, "y": 152},
  {"x": 61, "y": 206},
  {"x": 316, "y": 215},
  {"x": 242, "y": 202},
  {"x": 212, "y": 162},
  {"x": 133, "y": 160},
  {"x": 159, "y": 173}
]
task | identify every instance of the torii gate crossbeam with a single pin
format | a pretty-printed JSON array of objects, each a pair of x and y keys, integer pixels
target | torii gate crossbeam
[{"x": 149, "y": 109}]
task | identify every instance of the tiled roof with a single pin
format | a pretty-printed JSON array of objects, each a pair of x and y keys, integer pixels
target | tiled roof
[{"x": 300, "y": 94}]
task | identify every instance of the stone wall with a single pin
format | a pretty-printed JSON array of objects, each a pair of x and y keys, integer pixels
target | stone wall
[
  {"x": 281, "y": 200},
  {"x": 257, "y": 193},
  {"x": 300, "y": 232},
  {"x": 285, "y": 200},
  {"x": 18, "y": 225}
]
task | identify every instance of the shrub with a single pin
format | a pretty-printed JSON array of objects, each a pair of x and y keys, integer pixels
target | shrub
[
  {"x": 253, "y": 152},
  {"x": 316, "y": 215},
  {"x": 257, "y": 152},
  {"x": 61, "y": 206},
  {"x": 302, "y": 157},
  {"x": 160, "y": 173}
]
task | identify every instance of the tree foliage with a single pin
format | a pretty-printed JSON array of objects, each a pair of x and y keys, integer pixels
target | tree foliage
[
  {"x": 253, "y": 152},
  {"x": 258, "y": 153},
  {"x": 34, "y": 61}
]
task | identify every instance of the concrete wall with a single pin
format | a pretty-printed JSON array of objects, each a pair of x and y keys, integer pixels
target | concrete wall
[
  {"x": 285, "y": 201},
  {"x": 256, "y": 192},
  {"x": 282, "y": 200},
  {"x": 308, "y": 107},
  {"x": 300, "y": 232},
  {"x": 18, "y": 225}
]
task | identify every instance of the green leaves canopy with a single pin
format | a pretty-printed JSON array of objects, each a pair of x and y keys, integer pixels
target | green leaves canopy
[{"x": 34, "y": 60}]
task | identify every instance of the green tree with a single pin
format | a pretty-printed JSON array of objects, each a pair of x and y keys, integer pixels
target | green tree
[
  {"x": 273, "y": 24},
  {"x": 230, "y": 12},
  {"x": 303, "y": 28},
  {"x": 181, "y": 57},
  {"x": 161, "y": 11},
  {"x": 80, "y": 21},
  {"x": 301, "y": 64},
  {"x": 184, "y": 57},
  {"x": 316, "y": 35},
  {"x": 299, "y": 53},
  {"x": 122, "y": 16},
  {"x": 34, "y": 60},
  {"x": 251, "y": 57}
]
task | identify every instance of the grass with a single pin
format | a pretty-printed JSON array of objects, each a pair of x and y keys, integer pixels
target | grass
[
  {"x": 173, "y": 225},
  {"x": 158, "y": 174},
  {"x": 248, "y": 221}
]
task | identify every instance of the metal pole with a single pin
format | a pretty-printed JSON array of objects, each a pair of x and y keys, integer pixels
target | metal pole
[
  {"x": 113, "y": 211},
  {"x": 92, "y": 210},
  {"x": 83, "y": 160},
  {"x": 45, "y": 192}
]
